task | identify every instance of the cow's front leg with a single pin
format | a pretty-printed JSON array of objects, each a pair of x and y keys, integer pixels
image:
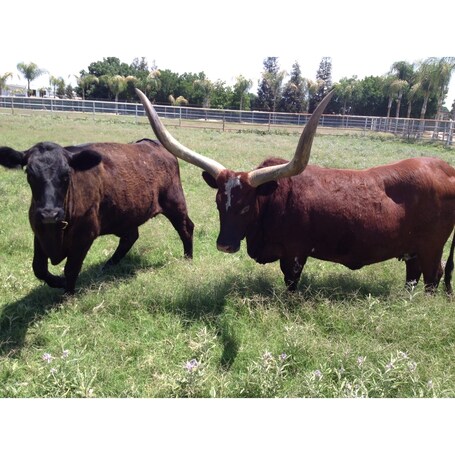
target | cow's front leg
[
  {"x": 41, "y": 270},
  {"x": 74, "y": 264},
  {"x": 292, "y": 269}
]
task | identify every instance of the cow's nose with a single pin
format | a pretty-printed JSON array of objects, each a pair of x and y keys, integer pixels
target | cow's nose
[
  {"x": 228, "y": 248},
  {"x": 49, "y": 216}
]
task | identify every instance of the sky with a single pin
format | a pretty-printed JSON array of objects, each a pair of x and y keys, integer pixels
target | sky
[{"x": 225, "y": 39}]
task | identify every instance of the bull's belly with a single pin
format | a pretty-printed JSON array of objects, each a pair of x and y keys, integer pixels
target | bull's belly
[
  {"x": 353, "y": 256},
  {"x": 353, "y": 261}
]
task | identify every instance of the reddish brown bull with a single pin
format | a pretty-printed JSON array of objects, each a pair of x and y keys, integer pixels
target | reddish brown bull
[
  {"x": 82, "y": 192},
  {"x": 404, "y": 210}
]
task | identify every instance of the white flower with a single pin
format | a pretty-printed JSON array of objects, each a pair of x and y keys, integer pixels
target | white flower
[
  {"x": 192, "y": 365},
  {"x": 317, "y": 374},
  {"x": 47, "y": 357}
]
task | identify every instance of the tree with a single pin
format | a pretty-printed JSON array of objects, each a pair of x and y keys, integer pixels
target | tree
[
  {"x": 324, "y": 82},
  {"x": 412, "y": 94},
  {"x": 241, "y": 88},
  {"x": 168, "y": 86},
  {"x": 150, "y": 84},
  {"x": 179, "y": 101},
  {"x": 117, "y": 84},
  {"x": 221, "y": 96},
  {"x": 403, "y": 72},
  {"x": 368, "y": 97},
  {"x": 3, "y": 80},
  {"x": 205, "y": 87},
  {"x": 426, "y": 77},
  {"x": 345, "y": 91},
  {"x": 30, "y": 71},
  {"x": 293, "y": 99},
  {"x": 444, "y": 69},
  {"x": 270, "y": 87},
  {"x": 86, "y": 80},
  {"x": 58, "y": 85},
  {"x": 393, "y": 89}
]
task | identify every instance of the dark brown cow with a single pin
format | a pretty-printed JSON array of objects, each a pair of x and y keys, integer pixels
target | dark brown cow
[
  {"x": 404, "y": 210},
  {"x": 82, "y": 192}
]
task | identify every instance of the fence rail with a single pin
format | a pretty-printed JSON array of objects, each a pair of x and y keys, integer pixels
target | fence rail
[{"x": 431, "y": 130}]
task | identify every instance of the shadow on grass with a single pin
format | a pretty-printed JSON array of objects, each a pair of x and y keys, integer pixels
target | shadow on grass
[
  {"x": 208, "y": 301},
  {"x": 341, "y": 287},
  {"x": 18, "y": 316}
]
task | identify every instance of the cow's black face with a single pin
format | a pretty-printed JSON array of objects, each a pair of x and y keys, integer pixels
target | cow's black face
[
  {"x": 49, "y": 169},
  {"x": 48, "y": 174}
]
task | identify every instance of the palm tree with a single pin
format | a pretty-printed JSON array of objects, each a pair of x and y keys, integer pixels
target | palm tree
[
  {"x": 3, "y": 80},
  {"x": 426, "y": 79},
  {"x": 84, "y": 81},
  {"x": 242, "y": 86},
  {"x": 446, "y": 66},
  {"x": 117, "y": 84},
  {"x": 390, "y": 90},
  {"x": 403, "y": 72},
  {"x": 30, "y": 71},
  {"x": 345, "y": 89},
  {"x": 179, "y": 101},
  {"x": 151, "y": 84},
  {"x": 56, "y": 82},
  {"x": 413, "y": 92}
]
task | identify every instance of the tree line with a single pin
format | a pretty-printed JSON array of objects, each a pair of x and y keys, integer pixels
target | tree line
[{"x": 413, "y": 90}]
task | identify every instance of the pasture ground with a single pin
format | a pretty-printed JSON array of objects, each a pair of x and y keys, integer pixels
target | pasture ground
[{"x": 221, "y": 325}]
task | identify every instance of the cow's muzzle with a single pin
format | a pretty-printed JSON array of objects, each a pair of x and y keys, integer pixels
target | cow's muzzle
[
  {"x": 50, "y": 216},
  {"x": 228, "y": 248}
]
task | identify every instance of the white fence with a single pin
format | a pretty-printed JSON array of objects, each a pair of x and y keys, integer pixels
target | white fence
[{"x": 432, "y": 130}]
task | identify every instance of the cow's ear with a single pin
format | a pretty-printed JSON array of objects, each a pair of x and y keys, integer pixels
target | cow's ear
[
  {"x": 266, "y": 189},
  {"x": 11, "y": 158},
  {"x": 209, "y": 180},
  {"x": 84, "y": 160}
]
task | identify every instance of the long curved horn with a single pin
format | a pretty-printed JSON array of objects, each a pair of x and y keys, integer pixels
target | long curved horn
[
  {"x": 302, "y": 152},
  {"x": 174, "y": 146}
]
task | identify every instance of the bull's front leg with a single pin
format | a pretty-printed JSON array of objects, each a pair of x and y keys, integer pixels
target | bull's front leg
[
  {"x": 74, "y": 264},
  {"x": 41, "y": 270},
  {"x": 292, "y": 269}
]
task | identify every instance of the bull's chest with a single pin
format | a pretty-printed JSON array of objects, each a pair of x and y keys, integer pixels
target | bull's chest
[{"x": 53, "y": 241}]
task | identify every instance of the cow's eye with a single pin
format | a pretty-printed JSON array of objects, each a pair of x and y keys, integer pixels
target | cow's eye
[{"x": 245, "y": 210}]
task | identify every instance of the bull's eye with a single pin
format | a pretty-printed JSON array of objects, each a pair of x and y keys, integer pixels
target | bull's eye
[{"x": 245, "y": 210}]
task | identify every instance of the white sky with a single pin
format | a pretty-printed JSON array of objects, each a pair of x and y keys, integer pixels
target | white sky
[{"x": 226, "y": 39}]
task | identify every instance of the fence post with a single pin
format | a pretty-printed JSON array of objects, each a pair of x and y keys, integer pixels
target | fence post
[{"x": 450, "y": 135}]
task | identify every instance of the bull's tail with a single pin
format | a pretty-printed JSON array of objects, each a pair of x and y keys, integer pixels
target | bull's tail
[{"x": 449, "y": 268}]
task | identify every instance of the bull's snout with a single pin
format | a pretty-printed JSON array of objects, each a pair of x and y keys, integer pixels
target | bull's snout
[
  {"x": 228, "y": 248},
  {"x": 50, "y": 216}
]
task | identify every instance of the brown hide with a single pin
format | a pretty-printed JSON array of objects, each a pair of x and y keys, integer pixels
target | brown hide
[
  {"x": 131, "y": 183},
  {"x": 403, "y": 210}
]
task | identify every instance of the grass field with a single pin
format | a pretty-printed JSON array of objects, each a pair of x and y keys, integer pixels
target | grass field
[{"x": 220, "y": 326}]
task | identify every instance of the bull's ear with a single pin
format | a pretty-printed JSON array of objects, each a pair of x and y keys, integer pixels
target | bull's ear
[
  {"x": 84, "y": 160},
  {"x": 209, "y": 180},
  {"x": 11, "y": 158},
  {"x": 266, "y": 189}
]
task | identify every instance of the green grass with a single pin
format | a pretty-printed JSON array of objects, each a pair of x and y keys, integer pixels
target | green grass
[{"x": 220, "y": 326}]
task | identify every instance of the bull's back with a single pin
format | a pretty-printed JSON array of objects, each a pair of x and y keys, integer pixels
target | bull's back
[{"x": 357, "y": 217}]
